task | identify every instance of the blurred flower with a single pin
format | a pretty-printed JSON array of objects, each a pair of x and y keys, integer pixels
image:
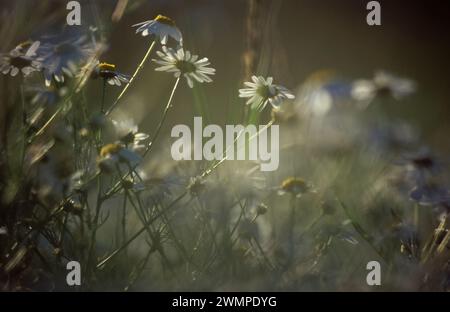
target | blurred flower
[
  {"x": 196, "y": 186},
  {"x": 46, "y": 95},
  {"x": 392, "y": 136},
  {"x": 430, "y": 194},
  {"x": 261, "y": 209},
  {"x": 162, "y": 27},
  {"x": 17, "y": 60},
  {"x": 422, "y": 166},
  {"x": 109, "y": 74},
  {"x": 424, "y": 160},
  {"x": 262, "y": 91},
  {"x": 62, "y": 56},
  {"x": 183, "y": 63},
  {"x": 157, "y": 188},
  {"x": 381, "y": 85},
  {"x": 3, "y": 230},
  {"x": 98, "y": 121},
  {"x": 52, "y": 167},
  {"x": 321, "y": 93},
  {"x": 245, "y": 179},
  {"x": 128, "y": 133},
  {"x": 295, "y": 186},
  {"x": 111, "y": 155}
]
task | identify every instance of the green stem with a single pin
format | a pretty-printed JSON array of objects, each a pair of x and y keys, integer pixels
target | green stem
[
  {"x": 163, "y": 118},
  {"x": 140, "y": 231},
  {"x": 136, "y": 72},
  {"x": 95, "y": 222},
  {"x": 116, "y": 186},
  {"x": 102, "y": 107}
]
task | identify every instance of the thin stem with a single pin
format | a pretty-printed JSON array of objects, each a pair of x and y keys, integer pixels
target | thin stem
[
  {"x": 124, "y": 219},
  {"x": 163, "y": 118},
  {"x": 150, "y": 145},
  {"x": 366, "y": 236},
  {"x": 24, "y": 126},
  {"x": 75, "y": 89},
  {"x": 262, "y": 252},
  {"x": 102, "y": 107},
  {"x": 136, "y": 72},
  {"x": 140, "y": 231},
  {"x": 95, "y": 222},
  {"x": 291, "y": 227},
  {"x": 208, "y": 171}
]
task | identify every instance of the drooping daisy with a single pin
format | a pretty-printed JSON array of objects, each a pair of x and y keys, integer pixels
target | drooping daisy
[
  {"x": 162, "y": 27},
  {"x": 183, "y": 63},
  {"x": 22, "y": 58},
  {"x": 295, "y": 186},
  {"x": 262, "y": 91},
  {"x": 109, "y": 73},
  {"x": 63, "y": 56}
]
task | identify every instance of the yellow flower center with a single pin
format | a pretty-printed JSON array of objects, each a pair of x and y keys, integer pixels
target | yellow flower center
[
  {"x": 110, "y": 149},
  {"x": 185, "y": 67},
  {"x": 106, "y": 66},
  {"x": 265, "y": 92},
  {"x": 294, "y": 185},
  {"x": 165, "y": 20},
  {"x": 25, "y": 44}
]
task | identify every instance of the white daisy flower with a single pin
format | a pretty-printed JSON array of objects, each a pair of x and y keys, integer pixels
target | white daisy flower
[
  {"x": 17, "y": 60},
  {"x": 183, "y": 63},
  {"x": 383, "y": 83},
  {"x": 109, "y": 73},
  {"x": 162, "y": 27},
  {"x": 128, "y": 133},
  {"x": 262, "y": 91},
  {"x": 63, "y": 56},
  {"x": 114, "y": 154}
]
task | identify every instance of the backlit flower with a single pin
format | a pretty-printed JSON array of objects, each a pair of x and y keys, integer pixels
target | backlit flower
[
  {"x": 63, "y": 56},
  {"x": 22, "y": 58},
  {"x": 183, "y": 63},
  {"x": 128, "y": 134},
  {"x": 162, "y": 27},
  {"x": 382, "y": 84},
  {"x": 295, "y": 186},
  {"x": 111, "y": 155},
  {"x": 109, "y": 74},
  {"x": 262, "y": 91}
]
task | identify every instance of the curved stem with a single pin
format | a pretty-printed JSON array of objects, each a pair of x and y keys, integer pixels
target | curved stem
[{"x": 136, "y": 72}]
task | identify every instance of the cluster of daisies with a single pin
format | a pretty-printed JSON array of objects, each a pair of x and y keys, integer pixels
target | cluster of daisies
[
  {"x": 60, "y": 58},
  {"x": 56, "y": 56}
]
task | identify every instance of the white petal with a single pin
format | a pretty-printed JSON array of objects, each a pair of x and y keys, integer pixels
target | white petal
[{"x": 14, "y": 71}]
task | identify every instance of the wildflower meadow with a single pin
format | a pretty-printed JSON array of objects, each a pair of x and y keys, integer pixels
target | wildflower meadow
[{"x": 221, "y": 146}]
